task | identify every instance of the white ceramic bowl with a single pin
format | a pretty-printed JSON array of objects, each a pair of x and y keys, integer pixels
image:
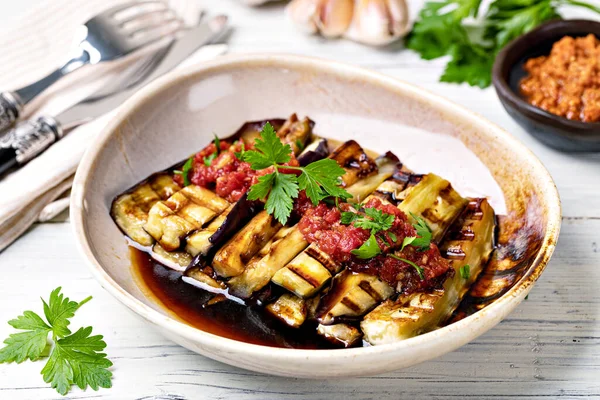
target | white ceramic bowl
[{"x": 178, "y": 114}]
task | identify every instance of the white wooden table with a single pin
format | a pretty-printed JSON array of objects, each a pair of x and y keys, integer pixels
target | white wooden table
[{"x": 549, "y": 347}]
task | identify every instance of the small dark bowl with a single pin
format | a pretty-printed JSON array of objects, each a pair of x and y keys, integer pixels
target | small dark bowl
[{"x": 552, "y": 130}]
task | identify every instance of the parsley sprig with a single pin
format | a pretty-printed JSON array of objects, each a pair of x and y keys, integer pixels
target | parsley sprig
[
  {"x": 320, "y": 179},
  {"x": 74, "y": 359},
  {"x": 423, "y": 240},
  {"x": 378, "y": 221},
  {"x": 445, "y": 28}
]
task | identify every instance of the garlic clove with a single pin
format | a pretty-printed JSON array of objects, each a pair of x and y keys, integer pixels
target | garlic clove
[
  {"x": 334, "y": 17},
  {"x": 256, "y": 2},
  {"x": 378, "y": 22},
  {"x": 303, "y": 14}
]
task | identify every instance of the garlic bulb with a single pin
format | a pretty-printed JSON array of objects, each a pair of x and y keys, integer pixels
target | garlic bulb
[
  {"x": 374, "y": 22},
  {"x": 378, "y": 22},
  {"x": 330, "y": 18}
]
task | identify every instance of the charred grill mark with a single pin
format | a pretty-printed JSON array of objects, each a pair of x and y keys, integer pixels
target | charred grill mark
[
  {"x": 446, "y": 193},
  {"x": 306, "y": 277},
  {"x": 351, "y": 305},
  {"x": 366, "y": 286},
  {"x": 325, "y": 260}
]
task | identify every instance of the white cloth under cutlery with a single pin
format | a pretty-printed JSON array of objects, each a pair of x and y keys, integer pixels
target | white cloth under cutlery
[{"x": 25, "y": 193}]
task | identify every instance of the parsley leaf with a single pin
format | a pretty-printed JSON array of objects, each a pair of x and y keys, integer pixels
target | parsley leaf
[
  {"x": 319, "y": 179},
  {"x": 268, "y": 151},
  {"x": 469, "y": 63},
  {"x": 465, "y": 271},
  {"x": 369, "y": 249},
  {"x": 25, "y": 345},
  {"x": 412, "y": 264},
  {"x": 59, "y": 309},
  {"x": 378, "y": 220},
  {"x": 186, "y": 171},
  {"x": 74, "y": 359},
  {"x": 83, "y": 354},
  {"x": 507, "y": 19},
  {"x": 280, "y": 202},
  {"x": 349, "y": 217},
  {"x": 423, "y": 240}
]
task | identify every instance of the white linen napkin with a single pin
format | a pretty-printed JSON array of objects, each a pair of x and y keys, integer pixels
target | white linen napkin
[{"x": 35, "y": 47}]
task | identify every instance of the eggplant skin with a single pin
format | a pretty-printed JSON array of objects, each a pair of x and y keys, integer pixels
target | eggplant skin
[{"x": 470, "y": 241}]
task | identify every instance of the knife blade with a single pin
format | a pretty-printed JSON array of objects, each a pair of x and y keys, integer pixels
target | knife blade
[{"x": 30, "y": 138}]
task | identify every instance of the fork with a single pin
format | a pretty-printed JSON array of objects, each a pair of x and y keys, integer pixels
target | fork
[{"x": 110, "y": 35}]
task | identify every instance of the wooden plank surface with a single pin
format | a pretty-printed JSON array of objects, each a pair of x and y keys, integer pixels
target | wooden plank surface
[{"x": 548, "y": 348}]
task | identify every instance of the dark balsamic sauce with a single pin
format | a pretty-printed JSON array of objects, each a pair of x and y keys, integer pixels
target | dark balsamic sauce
[{"x": 250, "y": 324}]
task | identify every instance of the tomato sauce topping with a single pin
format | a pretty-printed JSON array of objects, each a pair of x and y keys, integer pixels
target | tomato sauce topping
[
  {"x": 322, "y": 225},
  {"x": 224, "y": 173}
]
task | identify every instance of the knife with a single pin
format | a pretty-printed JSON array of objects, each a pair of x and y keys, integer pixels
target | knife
[{"x": 30, "y": 138}]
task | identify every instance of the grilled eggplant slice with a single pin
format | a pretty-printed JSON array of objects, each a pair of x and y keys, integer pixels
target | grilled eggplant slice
[
  {"x": 130, "y": 210},
  {"x": 469, "y": 242},
  {"x": 232, "y": 258},
  {"x": 434, "y": 199},
  {"x": 171, "y": 220},
  {"x": 343, "y": 335},
  {"x": 259, "y": 271},
  {"x": 177, "y": 260},
  {"x": 289, "y": 309},
  {"x": 352, "y": 296}
]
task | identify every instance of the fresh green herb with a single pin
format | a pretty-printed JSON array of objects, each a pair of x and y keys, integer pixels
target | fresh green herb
[
  {"x": 374, "y": 219},
  {"x": 384, "y": 240},
  {"x": 465, "y": 271},
  {"x": 452, "y": 28},
  {"x": 378, "y": 221},
  {"x": 319, "y": 179},
  {"x": 299, "y": 145},
  {"x": 369, "y": 249},
  {"x": 75, "y": 358},
  {"x": 349, "y": 217},
  {"x": 423, "y": 241},
  {"x": 415, "y": 266},
  {"x": 209, "y": 159},
  {"x": 393, "y": 236},
  {"x": 185, "y": 172}
]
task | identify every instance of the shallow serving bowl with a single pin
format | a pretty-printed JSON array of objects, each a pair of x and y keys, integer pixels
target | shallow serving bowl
[
  {"x": 552, "y": 130},
  {"x": 178, "y": 115}
]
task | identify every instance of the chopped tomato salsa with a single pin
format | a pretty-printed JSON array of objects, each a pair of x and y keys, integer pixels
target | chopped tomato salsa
[{"x": 322, "y": 225}]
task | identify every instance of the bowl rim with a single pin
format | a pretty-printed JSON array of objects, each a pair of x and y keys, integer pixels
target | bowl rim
[
  {"x": 507, "y": 93},
  {"x": 473, "y": 326}
]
